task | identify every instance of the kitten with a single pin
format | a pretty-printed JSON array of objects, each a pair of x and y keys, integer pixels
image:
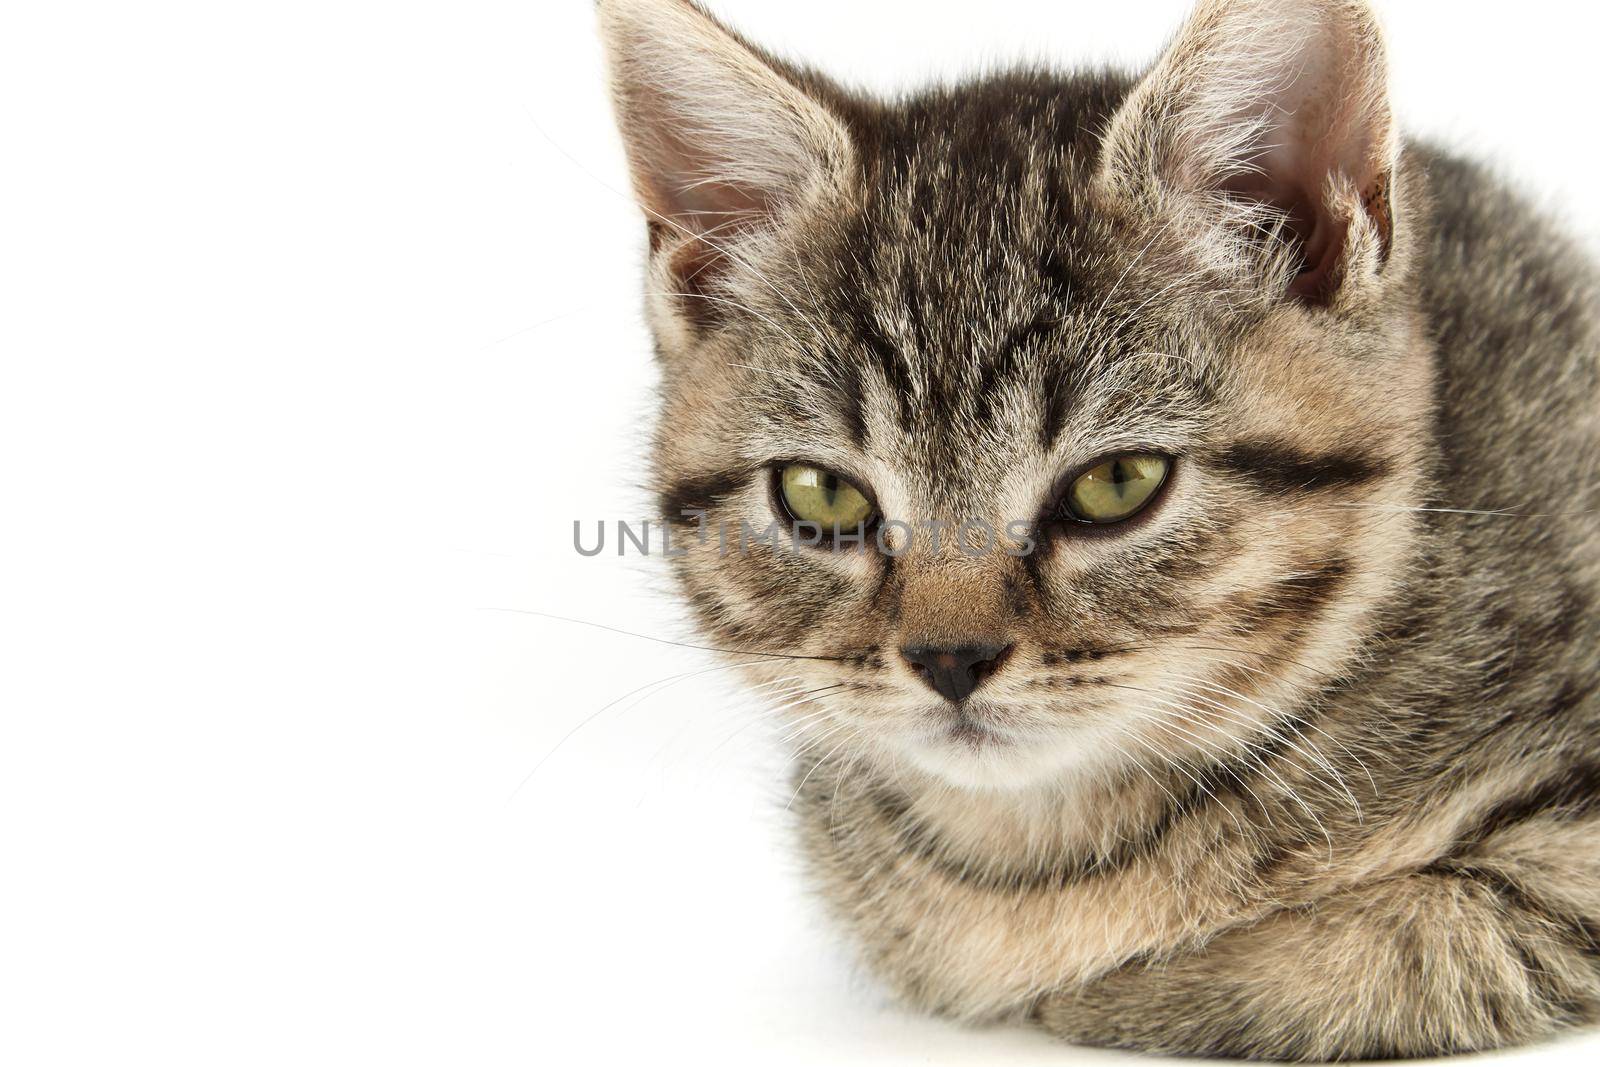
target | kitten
[{"x": 1271, "y": 732}]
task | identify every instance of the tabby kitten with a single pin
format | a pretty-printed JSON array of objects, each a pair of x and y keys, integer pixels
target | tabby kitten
[{"x": 1271, "y": 731}]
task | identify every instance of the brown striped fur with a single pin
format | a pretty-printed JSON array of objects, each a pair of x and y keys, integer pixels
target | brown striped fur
[{"x": 1302, "y": 763}]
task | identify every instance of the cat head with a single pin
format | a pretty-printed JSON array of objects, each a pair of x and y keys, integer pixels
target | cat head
[{"x": 1153, "y": 340}]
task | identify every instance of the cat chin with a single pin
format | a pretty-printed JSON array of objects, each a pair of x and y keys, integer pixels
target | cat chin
[{"x": 1006, "y": 765}]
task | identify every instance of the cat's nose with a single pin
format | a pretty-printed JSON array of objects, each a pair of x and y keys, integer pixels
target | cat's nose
[{"x": 955, "y": 672}]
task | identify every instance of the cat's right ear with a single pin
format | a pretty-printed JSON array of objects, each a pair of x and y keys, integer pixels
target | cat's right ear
[{"x": 720, "y": 140}]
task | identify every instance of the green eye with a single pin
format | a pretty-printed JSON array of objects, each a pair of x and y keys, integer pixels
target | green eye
[
  {"x": 1117, "y": 489},
  {"x": 814, "y": 495}
]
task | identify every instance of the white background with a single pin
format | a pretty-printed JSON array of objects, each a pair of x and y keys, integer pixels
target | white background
[{"x": 319, "y": 326}]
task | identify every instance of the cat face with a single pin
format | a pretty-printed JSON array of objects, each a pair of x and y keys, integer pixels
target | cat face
[{"x": 988, "y": 304}]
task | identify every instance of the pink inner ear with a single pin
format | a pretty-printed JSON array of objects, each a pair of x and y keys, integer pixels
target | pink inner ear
[
  {"x": 721, "y": 141},
  {"x": 1292, "y": 178},
  {"x": 1318, "y": 235},
  {"x": 1327, "y": 121},
  {"x": 692, "y": 214},
  {"x": 700, "y": 218},
  {"x": 678, "y": 186}
]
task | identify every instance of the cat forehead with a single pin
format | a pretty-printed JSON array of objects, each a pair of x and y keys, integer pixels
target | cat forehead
[
  {"x": 976, "y": 228},
  {"x": 978, "y": 182},
  {"x": 942, "y": 385},
  {"x": 982, "y": 327},
  {"x": 974, "y": 289}
]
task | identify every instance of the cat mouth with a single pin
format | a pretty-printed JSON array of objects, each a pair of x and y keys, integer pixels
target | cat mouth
[{"x": 972, "y": 734}]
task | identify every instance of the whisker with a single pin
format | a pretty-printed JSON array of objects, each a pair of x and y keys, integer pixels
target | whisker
[
  {"x": 1175, "y": 765},
  {"x": 662, "y": 683},
  {"x": 1333, "y": 777},
  {"x": 793, "y": 697},
  {"x": 662, "y": 640},
  {"x": 823, "y": 759},
  {"x": 1248, "y": 749},
  {"x": 1164, "y": 722}
]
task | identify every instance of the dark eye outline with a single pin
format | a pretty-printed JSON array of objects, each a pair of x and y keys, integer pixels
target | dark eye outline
[
  {"x": 780, "y": 503},
  {"x": 1061, "y": 501}
]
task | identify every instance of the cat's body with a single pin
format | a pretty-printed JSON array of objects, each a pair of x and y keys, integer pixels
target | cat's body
[
  {"x": 1303, "y": 760},
  {"x": 1474, "y": 726},
  {"x": 1474, "y": 722}
]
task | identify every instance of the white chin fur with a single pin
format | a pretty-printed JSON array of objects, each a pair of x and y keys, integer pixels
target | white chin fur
[{"x": 1015, "y": 766}]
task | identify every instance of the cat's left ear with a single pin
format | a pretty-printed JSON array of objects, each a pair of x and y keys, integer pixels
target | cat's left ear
[
  {"x": 721, "y": 140},
  {"x": 1275, "y": 115}
]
